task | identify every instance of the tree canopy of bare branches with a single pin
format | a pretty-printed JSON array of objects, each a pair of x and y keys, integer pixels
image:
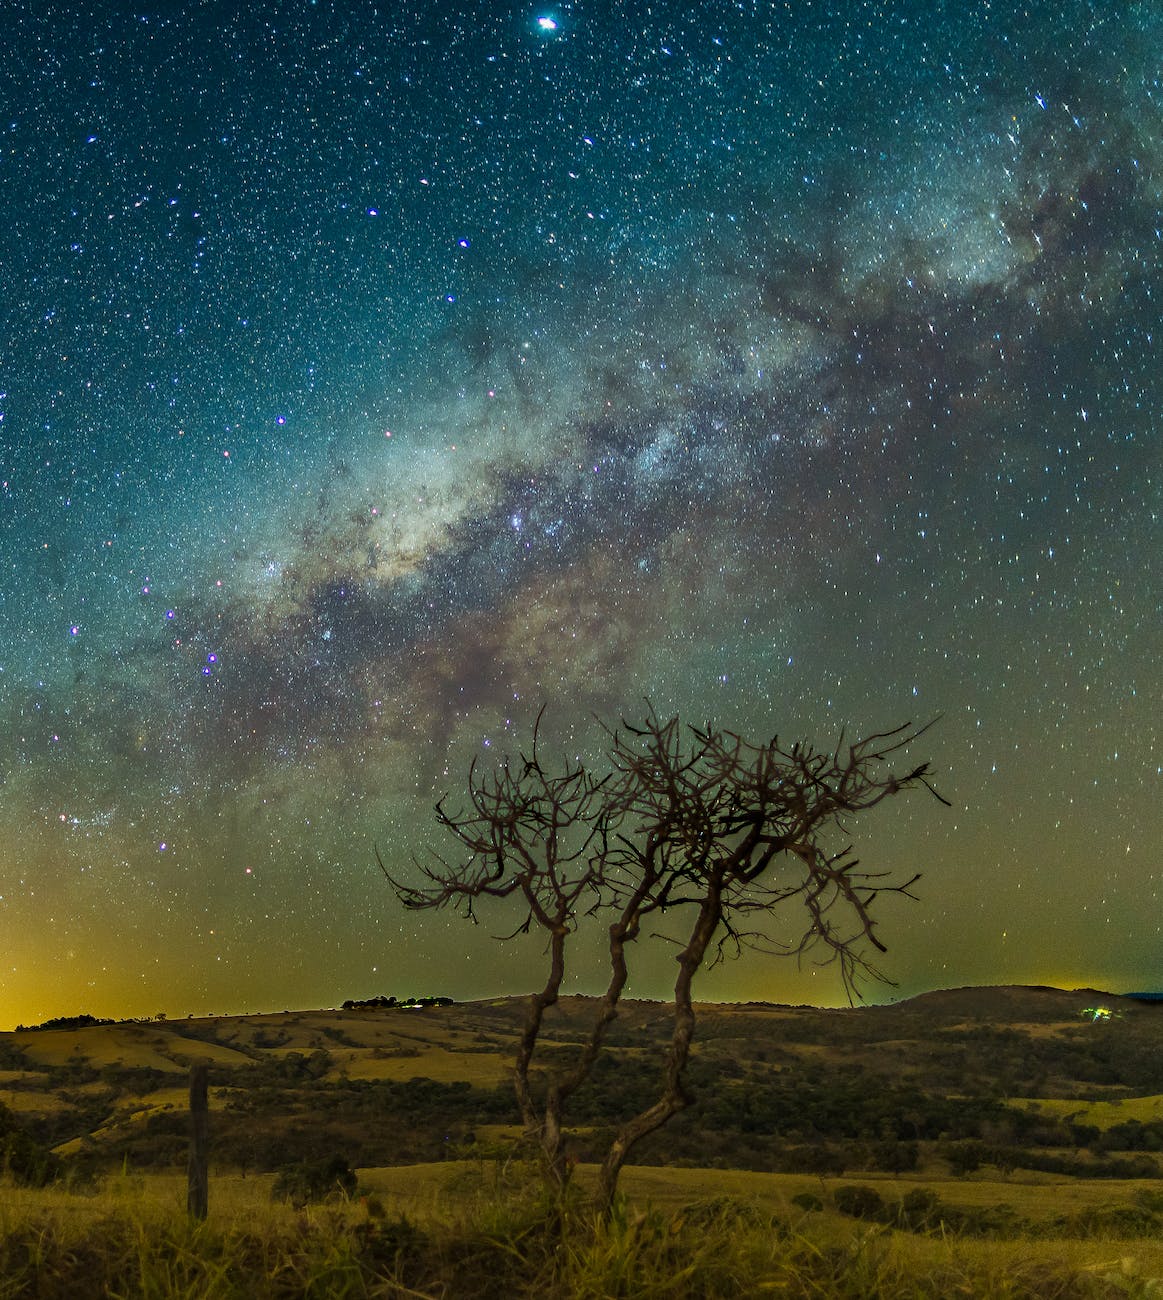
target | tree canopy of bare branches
[{"x": 727, "y": 833}]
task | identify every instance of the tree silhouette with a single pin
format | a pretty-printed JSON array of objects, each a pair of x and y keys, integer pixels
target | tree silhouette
[{"x": 727, "y": 833}]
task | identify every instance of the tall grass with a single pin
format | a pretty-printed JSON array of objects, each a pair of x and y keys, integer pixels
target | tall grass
[{"x": 495, "y": 1236}]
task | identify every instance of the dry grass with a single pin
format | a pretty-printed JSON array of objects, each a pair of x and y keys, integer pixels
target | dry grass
[
  {"x": 474, "y": 1229},
  {"x": 439, "y": 1064},
  {"x": 469, "y": 1231},
  {"x": 1100, "y": 1114},
  {"x": 32, "y": 1103},
  {"x": 137, "y": 1046}
]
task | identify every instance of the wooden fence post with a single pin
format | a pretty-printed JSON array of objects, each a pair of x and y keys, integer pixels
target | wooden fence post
[{"x": 198, "y": 1180}]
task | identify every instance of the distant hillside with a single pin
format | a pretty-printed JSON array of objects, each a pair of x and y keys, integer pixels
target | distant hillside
[
  {"x": 1012, "y": 1002},
  {"x": 1022, "y": 1077}
]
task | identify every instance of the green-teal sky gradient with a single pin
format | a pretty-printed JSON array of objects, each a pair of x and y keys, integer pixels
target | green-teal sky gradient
[{"x": 371, "y": 375}]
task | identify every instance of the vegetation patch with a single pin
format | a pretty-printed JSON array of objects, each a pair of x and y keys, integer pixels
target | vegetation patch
[
  {"x": 310, "y": 1181},
  {"x": 503, "y": 1238}
]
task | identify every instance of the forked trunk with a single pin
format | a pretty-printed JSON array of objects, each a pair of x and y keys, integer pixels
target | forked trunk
[
  {"x": 544, "y": 1126},
  {"x": 674, "y": 1096}
]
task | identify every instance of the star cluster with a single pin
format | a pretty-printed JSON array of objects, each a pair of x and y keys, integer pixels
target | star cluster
[{"x": 369, "y": 378}]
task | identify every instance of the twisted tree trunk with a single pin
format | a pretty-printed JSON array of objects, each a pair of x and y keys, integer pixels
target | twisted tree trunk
[
  {"x": 545, "y": 1126},
  {"x": 674, "y": 1095}
]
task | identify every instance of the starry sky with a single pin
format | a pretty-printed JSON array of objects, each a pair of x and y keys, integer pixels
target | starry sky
[{"x": 371, "y": 375}]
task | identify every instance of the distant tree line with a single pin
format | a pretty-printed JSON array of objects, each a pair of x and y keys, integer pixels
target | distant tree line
[
  {"x": 66, "y": 1022},
  {"x": 85, "y": 1021},
  {"x": 406, "y": 1004}
]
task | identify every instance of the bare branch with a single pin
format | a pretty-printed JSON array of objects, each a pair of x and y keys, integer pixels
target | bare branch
[{"x": 731, "y": 834}]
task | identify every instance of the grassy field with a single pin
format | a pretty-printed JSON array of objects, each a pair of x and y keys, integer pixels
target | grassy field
[
  {"x": 965, "y": 1085},
  {"x": 1102, "y": 1114},
  {"x": 468, "y": 1230}
]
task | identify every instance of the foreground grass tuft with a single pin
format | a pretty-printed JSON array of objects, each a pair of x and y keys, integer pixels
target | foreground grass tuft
[{"x": 500, "y": 1238}]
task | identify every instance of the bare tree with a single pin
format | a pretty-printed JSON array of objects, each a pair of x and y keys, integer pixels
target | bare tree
[
  {"x": 692, "y": 819},
  {"x": 739, "y": 832},
  {"x": 543, "y": 838}
]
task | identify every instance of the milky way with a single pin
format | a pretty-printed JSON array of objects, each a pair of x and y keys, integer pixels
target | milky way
[{"x": 368, "y": 380}]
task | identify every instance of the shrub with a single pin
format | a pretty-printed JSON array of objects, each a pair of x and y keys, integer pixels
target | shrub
[
  {"x": 314, "y": 1180},
  {"x": 22, "y": 1157},
  {"x": 859, "y": 1201},
  {"x": 920, "y": 1210},
  {"x": 1114, "y": 1221},
  {"x": 894, "y": 1157},
  {"x": 819, "y": 1158},
  {"x": 807, "y": 1201},
  {"x": 999, "y": 1220},
  {"x": 730, "y": 1211},
  {"x": 964, "y": 1157}
]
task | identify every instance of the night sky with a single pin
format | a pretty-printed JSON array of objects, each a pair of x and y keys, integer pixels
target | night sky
[{"x": 370, "y": 377}]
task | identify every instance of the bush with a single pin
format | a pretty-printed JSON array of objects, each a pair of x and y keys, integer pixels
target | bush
[
  {"x": 820, "y": 1158},
  {"x": 894, "y": 1157},
  {"x": 729, "y": 1211},
  {"x": 1114, "y": 1221},
  {"x": 314, "y": 1180},
  {"x": 859, "y": 1201},
  {"x": 920, "y": 1210},
  {"x": 964, "y": 1157},
  {"x": 22, "y": 1157},
  {"x": 807, "y": 1201}
]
